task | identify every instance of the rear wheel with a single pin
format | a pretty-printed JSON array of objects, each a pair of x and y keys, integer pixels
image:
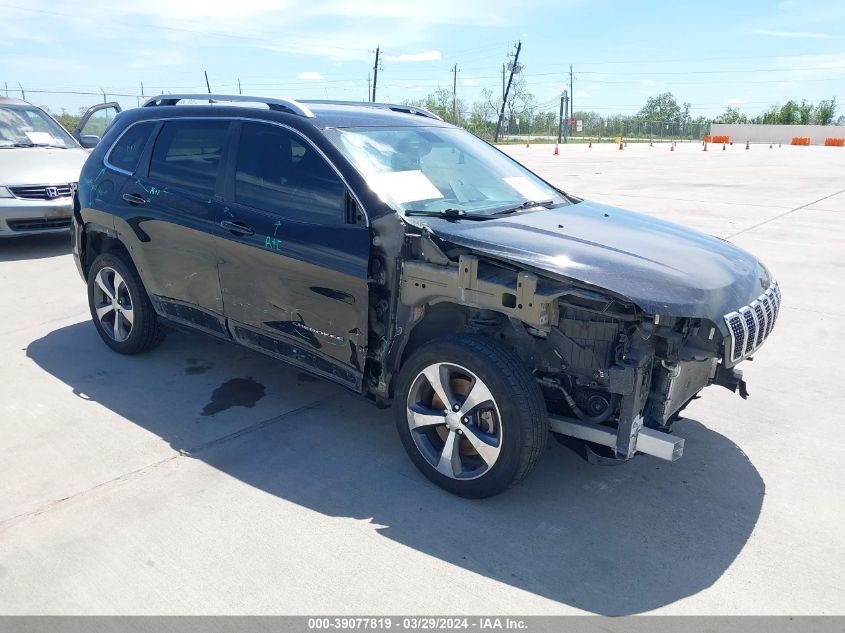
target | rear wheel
[
  {"x": 121, "y": 310},
  {"x": 470, "y": 415}
]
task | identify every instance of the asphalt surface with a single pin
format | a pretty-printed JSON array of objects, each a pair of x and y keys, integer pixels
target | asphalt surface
[{"x": 205, "y": 479}]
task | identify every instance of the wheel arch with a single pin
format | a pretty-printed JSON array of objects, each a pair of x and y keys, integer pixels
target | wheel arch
[
  {"x": 445, "y": 318},
  {"x": 99, "y": 240}
]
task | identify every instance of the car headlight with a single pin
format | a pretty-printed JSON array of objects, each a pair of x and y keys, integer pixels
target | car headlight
[{"x": 5, "y": 193}]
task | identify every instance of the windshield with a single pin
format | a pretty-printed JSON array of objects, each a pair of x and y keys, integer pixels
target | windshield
[
  {"x": 440, "y": 170},
  {"x": 28, "y": 126}
]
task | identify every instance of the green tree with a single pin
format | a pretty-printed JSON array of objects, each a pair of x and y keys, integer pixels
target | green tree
[
  {"x": 825, "y": 112},
  {"x": 664, "y": 107},
  {"x": 732, "y": 115},
  {"x": 67, "y": 120}
]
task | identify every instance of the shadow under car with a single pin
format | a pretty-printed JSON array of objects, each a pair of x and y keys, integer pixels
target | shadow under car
[{"x": 611, "y": 540}]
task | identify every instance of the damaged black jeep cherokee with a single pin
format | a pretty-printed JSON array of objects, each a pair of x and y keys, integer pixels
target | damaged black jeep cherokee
[{"x": 378, "y": 247}]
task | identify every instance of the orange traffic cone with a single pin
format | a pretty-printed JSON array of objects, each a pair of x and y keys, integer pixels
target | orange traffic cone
[
  {"x": 620, "y": 145},
  {"x": 527, "y": 144},
  {"x": 556, "y": 151},
  {"x": 672, "y": 147},
  {"x": 724, "y": 147},
  {"x": 770, "y": 146},
  {"x": 747, "y": 144},
  {"x": 651, "y": 143},
  {"x": 705, "y": 147},
  {"x": 590, "y": 145}
]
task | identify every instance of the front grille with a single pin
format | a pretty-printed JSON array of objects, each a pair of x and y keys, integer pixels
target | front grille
[
  {"x": 39, "y": 224},
  {"x": 43, "y": 192},
  {"x": 751, "y": 325}
]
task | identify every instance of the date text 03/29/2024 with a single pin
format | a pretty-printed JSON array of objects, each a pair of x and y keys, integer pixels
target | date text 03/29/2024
[{"x": 418, "y": 623}]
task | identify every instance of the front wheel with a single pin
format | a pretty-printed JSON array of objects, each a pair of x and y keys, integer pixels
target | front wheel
[{"x": 470, "y": 415}]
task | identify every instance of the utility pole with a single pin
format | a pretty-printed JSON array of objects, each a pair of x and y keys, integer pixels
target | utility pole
[
  {"x": 142, "y": 90},
  {"x": 455, "y": 93},
  {"x": 375, "y": 75},
  {"x": 240, "y": 92},
  {"x": 503, "y": 82},
  {"x": 560, "y": 118},
  {"x": 571, "y": 92},
  {"x": 6, "y": 86},
  {"x": 566, "y": 111},
  {"x": 514, "y": 69}
]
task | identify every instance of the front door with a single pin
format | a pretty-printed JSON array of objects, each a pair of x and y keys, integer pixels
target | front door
[
  {"x": 293, "y": 267},
  {"x": 94, "y": 122}
]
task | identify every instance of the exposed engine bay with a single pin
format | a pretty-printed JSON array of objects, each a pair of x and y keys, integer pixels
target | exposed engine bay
[{"x": 611, "y": 374}]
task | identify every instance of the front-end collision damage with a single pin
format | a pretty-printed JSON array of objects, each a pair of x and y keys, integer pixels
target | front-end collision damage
[{"x": 612, "y": 374}]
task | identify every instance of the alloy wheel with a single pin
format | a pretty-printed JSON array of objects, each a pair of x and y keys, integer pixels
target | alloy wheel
[
  {"x": 113, "y": 304},
  {"x": 454, "y": 421}
]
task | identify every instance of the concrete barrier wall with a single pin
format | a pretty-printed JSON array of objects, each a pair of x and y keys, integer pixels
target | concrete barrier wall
[{"x": 740, "y": 132}]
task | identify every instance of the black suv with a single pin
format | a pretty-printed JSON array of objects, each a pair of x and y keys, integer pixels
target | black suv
[{"x": 378, "y": 247}]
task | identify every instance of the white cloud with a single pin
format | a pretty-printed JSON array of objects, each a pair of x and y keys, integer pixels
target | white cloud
[
  {"x": 582, "y": 93},
  {"x": 469, "y": 80},
  {"x": 426, "y": 56},
  {"x": 311, "y": 75},
  {"x": 735, "y": 101},
  {"x": 808, "y": 35}
]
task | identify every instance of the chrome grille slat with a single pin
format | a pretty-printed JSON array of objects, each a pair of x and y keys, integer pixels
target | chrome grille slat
[
  {"x": 39, "y": 192},
  {"x": 761, "y": 322},
  {"x": 749, "y": 326},
  {"x": 770, "y": 314}
]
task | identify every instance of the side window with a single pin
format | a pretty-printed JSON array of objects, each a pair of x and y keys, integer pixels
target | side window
[
  {"x": 127, "y": 151},
  {"x": 187, "y": 154},
  {"x": 279, "y": 172}
]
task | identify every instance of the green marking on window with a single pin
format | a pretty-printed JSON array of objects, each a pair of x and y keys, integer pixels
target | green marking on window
[{"x": 272, "y": 244}]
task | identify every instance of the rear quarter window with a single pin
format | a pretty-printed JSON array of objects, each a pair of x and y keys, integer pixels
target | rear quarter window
[{"x": 126, "y": 153}]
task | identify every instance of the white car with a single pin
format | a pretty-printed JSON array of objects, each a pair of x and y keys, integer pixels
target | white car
[{"x": 40, "y": 164}]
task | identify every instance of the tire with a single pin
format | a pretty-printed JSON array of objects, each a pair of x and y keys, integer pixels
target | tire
[
  {"x": 497, "y": 434},
  {"x": 128, "y": 324}
]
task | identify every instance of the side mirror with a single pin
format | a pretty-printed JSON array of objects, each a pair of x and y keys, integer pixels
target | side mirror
[{"x": 89, "y": 140}]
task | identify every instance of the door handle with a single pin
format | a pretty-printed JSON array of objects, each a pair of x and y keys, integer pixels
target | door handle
[
  {"x": 237, "y": 228},
  {"x": 134, "y": 199}
]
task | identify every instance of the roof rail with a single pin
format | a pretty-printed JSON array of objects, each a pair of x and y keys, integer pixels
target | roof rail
[
  {"x": 285, "y": 105},
  {"x": 396, "y": 107}
]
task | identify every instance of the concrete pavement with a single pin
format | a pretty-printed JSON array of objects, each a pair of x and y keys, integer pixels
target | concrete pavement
[{"x": 119, "y": 495}]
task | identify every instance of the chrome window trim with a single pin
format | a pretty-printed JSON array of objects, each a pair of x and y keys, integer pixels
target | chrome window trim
[{"x": 252, "y": 120}]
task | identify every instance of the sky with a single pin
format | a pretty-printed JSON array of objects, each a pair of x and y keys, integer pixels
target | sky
[{"x": 745, "y": 54}]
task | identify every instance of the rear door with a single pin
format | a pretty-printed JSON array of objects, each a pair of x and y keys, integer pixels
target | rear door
[
  {"x": 170, "y": 215},
  {"x": 293, "y": 267}
]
